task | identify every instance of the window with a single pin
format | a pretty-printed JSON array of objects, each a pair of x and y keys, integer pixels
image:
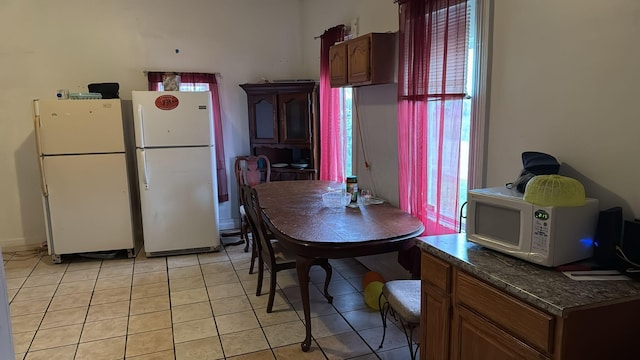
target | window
[
  {"x": 439, "y": 144},
  {"x": 434, "y": 109},
  {"x": 346, "y": 102},
  {"x": 189, "y": 87}
]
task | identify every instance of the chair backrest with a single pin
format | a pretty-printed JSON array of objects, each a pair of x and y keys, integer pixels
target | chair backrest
[
  {"x": 251, "y": 170},
  {"x": 256, "y": 223}
]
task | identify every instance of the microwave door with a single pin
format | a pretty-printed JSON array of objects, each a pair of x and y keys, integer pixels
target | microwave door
[{"x": 500, "y": 223}]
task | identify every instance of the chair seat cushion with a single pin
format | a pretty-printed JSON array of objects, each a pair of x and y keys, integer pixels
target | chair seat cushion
[{"x": 404, "y": 298}]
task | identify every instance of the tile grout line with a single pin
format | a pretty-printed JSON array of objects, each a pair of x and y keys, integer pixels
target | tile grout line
[
  {"x": 235, "y": 258},
  {"x": 253, "y": 309},
  {"x": 213, "y": 315}
]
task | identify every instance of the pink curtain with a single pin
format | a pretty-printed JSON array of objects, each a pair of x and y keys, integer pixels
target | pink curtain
[
  {"x": 192, "y": 81},
  {"x": 432, "y": 68},
  {"x": 332, "y": 136}
]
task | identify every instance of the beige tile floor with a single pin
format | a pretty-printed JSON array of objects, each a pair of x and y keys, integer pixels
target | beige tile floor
[{"x": 200, "y": 306}]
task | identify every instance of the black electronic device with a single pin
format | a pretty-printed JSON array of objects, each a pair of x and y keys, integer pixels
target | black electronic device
[
  {"x": 631, "y": 242},
  {"x": 608, "y": 236},
  {"x": 108, "y": 90}
]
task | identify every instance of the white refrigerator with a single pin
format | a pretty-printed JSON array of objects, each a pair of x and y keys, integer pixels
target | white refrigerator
[
  {"x": 175, "y": 152},
  {"x": 84, "y": 176}
]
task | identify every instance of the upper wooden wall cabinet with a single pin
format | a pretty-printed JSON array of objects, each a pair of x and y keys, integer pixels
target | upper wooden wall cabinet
[{"x": 365, "y": 60}]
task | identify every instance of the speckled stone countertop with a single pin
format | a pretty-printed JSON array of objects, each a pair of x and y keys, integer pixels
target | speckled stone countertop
[{"x": 539, "y": 286}]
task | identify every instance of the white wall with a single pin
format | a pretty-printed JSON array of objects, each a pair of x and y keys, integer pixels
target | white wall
[
  {"x": 69, "y": 44},
  {"x": 564, "y": 81}
]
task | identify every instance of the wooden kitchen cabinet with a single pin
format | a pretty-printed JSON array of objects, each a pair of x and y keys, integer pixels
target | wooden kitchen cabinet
[
  {"x": 483, "y": 340},
  {"x": 338, "y": 65},
  {"x": 436, "y": 308},
  {"x": 438, "y": 319},
  {"x": 489, "y": 322},
  {"x": 465, "y": 317},
  {"x": 366, "y": 60},
  {"x": 283, "y": 125}
]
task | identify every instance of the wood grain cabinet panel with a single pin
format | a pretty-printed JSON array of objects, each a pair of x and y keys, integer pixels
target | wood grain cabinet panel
[
  {"x": 465, "y": 317},
  {"x": 518, "y": 318},
  {"x": 481, "y": 340},
  {"x": 366, "y": 60},
  {"x": 295, "y": 127},
  {"x": 436, "y": 272},
  {"x": 283, "y": 125},
  {"x": 263, "y": 118},
  {"x": 359, "y": 60},
  {"x": 338, "y": 65},
  {"x": 435, "y": 315},
  {"x": 436, "y": 308}
]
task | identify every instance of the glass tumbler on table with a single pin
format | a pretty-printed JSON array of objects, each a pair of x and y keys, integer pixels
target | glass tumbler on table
[{"x": 365, "y": 196}]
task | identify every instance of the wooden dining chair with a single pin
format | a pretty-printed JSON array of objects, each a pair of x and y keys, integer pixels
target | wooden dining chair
[
  {"x": 270, "y": 252},
  {"x": 250, "y": 170}
]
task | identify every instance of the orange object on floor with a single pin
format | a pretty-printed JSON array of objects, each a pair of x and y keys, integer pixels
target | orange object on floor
[{"x": 371, "y": 276}]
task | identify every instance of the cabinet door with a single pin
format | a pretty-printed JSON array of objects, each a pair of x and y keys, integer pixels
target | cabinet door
[
  {"x": 294, "y": 115},
  {"x": 359, "y": 67},
  {"x": 263, "y": 119},
  {"x": 475, "y": 338},
  {"x": 435, "y": 316},
  {"x": 338, "y": 65}
]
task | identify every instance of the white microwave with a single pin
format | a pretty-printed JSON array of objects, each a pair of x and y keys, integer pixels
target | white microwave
[{"x": 500, "y": 219}]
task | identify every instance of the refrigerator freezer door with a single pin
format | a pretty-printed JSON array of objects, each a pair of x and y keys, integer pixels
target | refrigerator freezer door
[
  {"x": 88, "y": 203},
  {"x": 179, "y": 204},
  {"x": 80, "y": 126},
  {"x": 172, "y": 118}
]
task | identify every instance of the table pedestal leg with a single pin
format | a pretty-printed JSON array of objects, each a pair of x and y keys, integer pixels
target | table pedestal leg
[{"x": 302, "y": 267}]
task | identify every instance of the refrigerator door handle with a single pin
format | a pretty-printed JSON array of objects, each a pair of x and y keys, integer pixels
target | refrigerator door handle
[
  {"x": 36, "y": 127},
  {"x": 43, "y": 179},
  {"x": 145, "y": 174},
  {"x": 141, "y": 117}
]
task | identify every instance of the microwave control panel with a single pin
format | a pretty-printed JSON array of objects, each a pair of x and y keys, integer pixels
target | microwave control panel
[{"x": 540, "y": 241}]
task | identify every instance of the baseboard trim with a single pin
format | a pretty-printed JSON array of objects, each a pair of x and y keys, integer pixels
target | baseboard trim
[
  {"x": 229, "y": 224},
  {"x": 20, "y": 244}
]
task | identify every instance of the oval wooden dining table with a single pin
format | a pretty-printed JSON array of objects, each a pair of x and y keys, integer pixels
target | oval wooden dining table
[{"x": 295, "y": 214}]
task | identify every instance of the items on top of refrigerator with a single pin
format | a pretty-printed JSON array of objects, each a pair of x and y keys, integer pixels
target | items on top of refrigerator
[
  {"x": 62, "y": 94},
  {"x": 171, "y": 82},
  {"x": 108, "y": 90},
  {"x": 85, "y": 96}
]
